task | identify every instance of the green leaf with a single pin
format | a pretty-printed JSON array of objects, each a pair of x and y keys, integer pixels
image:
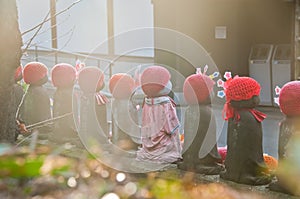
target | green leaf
[{"x": 17, "y": 167}]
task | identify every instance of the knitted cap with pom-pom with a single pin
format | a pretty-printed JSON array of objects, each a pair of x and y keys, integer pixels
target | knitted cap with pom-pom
[
  {"x": 63, "y": 75},
  {"x": 121, "y": 85},
  {"x": 197, "y": 88},
  {"x": 289, "y": 98},
  {"x": 154, "y": 79},
  {"x": 90, "y": 79},
  {"x": 34, "y": 71}
]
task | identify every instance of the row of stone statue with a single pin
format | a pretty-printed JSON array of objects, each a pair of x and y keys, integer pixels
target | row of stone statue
[{"x": 157, "y": 138}]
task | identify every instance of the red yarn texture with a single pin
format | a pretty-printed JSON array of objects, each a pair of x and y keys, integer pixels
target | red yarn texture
[
  {"x": 34, "y": 71},
  {"x": 241, "y": 88},
  {"x": 154, "y": 79},
  {"x": 289, "y": 98},
  {"x": 121, "y": 85},
  {"x": 63, "y": 75}
]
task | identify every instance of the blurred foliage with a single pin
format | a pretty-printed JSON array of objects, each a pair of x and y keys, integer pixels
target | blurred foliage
[
  {"x": 21, "y": 162},
  {"x": 44, "y": 172},
  {"x": 24, "y": 85},
  {"x": 17, "y": 166},
  {"x": 289, "y": 168}
]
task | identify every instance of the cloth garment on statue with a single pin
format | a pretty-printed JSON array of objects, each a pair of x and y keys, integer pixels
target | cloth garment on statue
[
  {"x": 101, "y": 111},
  {"x": 160, "y": 131},
  {"x": 101, "y": 99}
]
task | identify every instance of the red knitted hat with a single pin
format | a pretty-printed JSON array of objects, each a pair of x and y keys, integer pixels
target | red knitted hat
[
  {"x": 18, "y": 73},
  {"x": 63, "y": 75},
  {"x": 154, "y": 79},
  {"x": 121, "y": 85},
  {"x": 237, "y": 89},
  {"x": 197, "y": 87},
  {"x": 241, "y": 88},
  {"x": 34, "y": 71},
  {"x": 90, "y": 79},
  {"x": 289, "y": 98}
]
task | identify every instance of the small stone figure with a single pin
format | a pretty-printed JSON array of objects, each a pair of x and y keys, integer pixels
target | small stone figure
[
  {"x": 125, "y": 130},
  {"x": 93, "y": 111},
  {"x": 160, "y": 125},
  {"x": 244, "y": 161},
  {"x": 200, "y": 127},
  {"x": 36, "y": 105},
  {"x": 289, "y": 127},
  {"x": 63, "y": 78}
]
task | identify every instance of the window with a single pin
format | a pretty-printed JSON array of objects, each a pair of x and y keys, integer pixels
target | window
[
  {"x": 84, "y": 27},
  {"x": 29, "y": 17},
  {"x": 130, "y": 15}
]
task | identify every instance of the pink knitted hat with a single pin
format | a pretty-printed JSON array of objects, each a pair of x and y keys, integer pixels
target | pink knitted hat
[
  {"x": 121, "y": 85},
  {"x": 197, "y": 88},
  {"x": 63, "y": 75},
  {"x": 154, "y": 79},
  {"x": 34, "y": 71},
  {"x": 90, "y": 79},
  {"x": 289, "y": 98}
]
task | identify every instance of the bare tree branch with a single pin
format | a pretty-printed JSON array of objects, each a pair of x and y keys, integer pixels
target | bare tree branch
[
  {"x": 36, "y": 32},
  {"x": 69, "y": 32},
  {"x": 69, "y": 39},
  {"x": 46, "y": 30},
  {"x": 44, "y": 21}
]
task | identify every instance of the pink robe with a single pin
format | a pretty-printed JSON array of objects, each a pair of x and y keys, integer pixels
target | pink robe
[{"x": 160, "y": 131}]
